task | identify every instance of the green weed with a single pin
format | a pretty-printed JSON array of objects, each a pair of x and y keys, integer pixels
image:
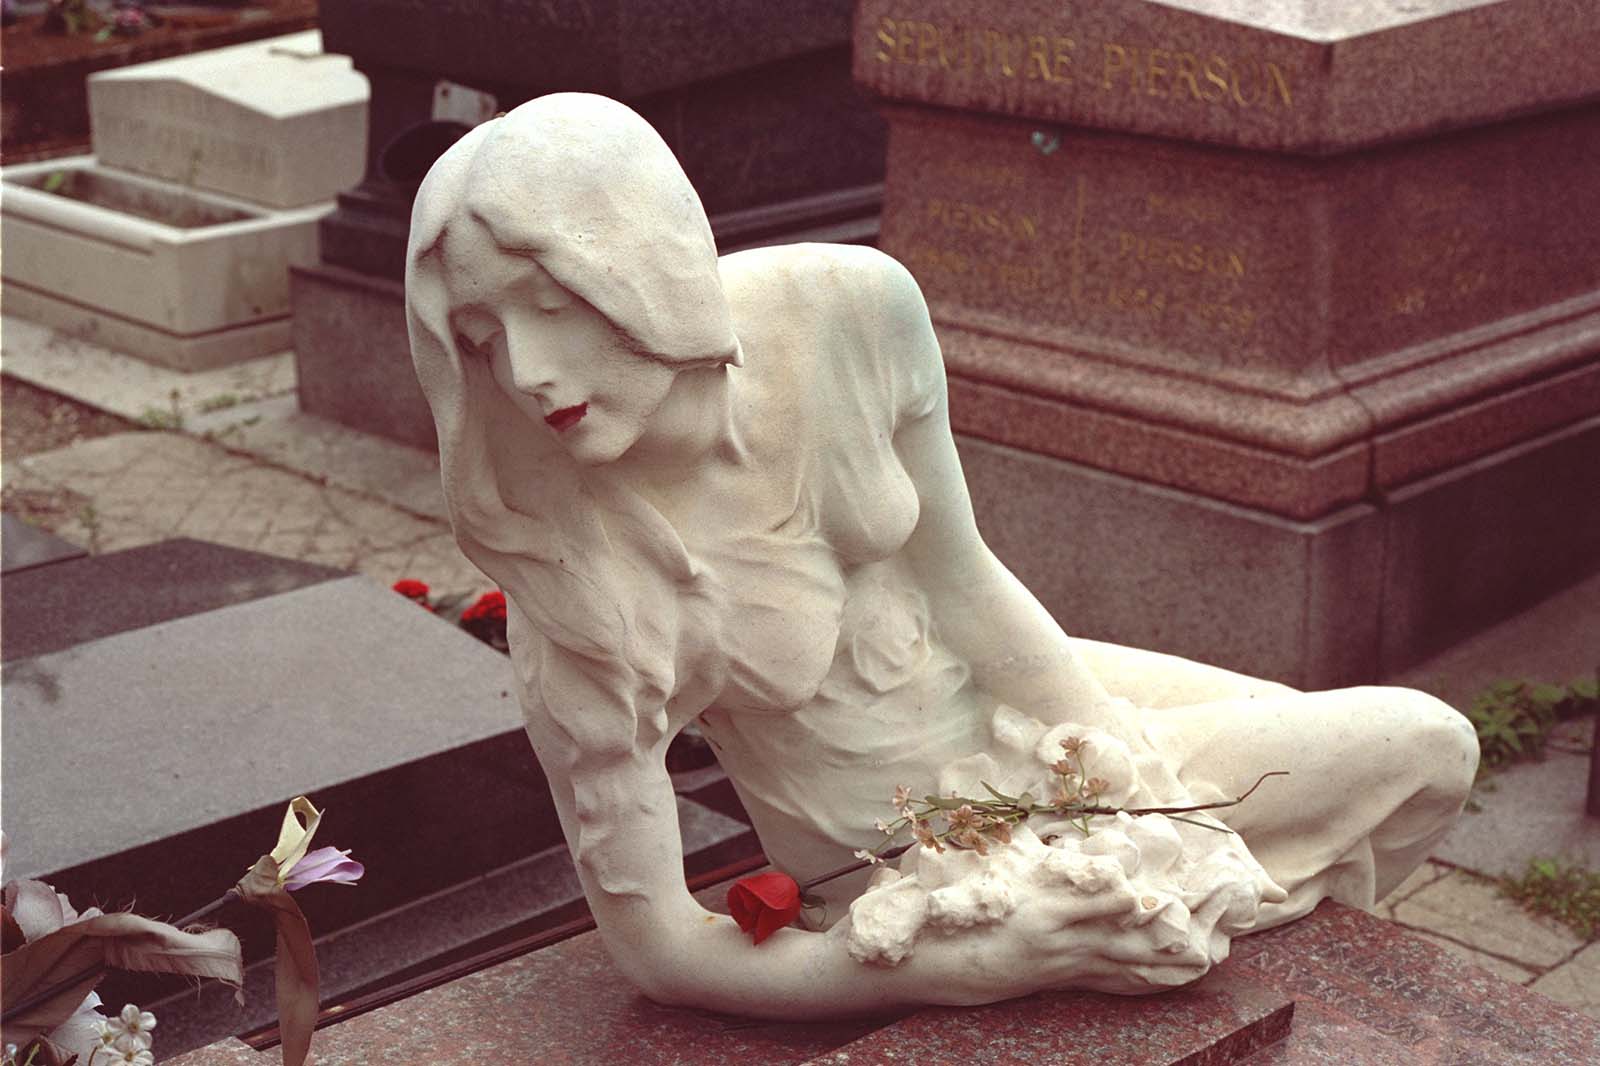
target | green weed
[
  {"x": 1566, "y": 891},
  {"x": 1513, "y": 719}
]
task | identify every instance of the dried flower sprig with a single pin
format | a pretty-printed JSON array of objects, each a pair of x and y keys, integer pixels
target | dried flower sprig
[{"x": 974, "y": 824}]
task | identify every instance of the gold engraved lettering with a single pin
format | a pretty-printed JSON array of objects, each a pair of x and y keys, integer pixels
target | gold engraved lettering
[
  {"x": 885, "y": 36},
  {"x": 1116, "y": 61},
  {"x": 927, "y": 42},
  {"x": 975, "y": 218},
  {"x": 1001, "y": 44},
  {"x": 1190, "y": 257},
  {"x": 905, "y": 42},
  {"x": 934, "y": 264},
  {"x": 1155, "y": 68},
  {"x": 1063, "y": 58},
  {"x": 1280, "y": 82},
  {"x": 1038, "y": 58},
  {"x": 1410, "y": 301},
  {"x": 1188, "y": 66},
  {"x": 1216, "y": 72},
  {"x": 1050, "y": 56},
  {"x": 999, "y": 174},
  {"x": 1253, "y": 80},
  {"x": 1193, "y": 208}
]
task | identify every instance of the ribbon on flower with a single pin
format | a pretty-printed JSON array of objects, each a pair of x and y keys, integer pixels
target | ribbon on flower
[{"x": 296, "y": 960}]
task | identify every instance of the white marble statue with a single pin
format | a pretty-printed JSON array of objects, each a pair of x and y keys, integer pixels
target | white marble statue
[{"x": 725, "y": 491}]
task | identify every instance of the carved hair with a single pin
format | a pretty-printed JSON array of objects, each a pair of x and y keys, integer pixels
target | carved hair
[{"x": 584, "y": 187}]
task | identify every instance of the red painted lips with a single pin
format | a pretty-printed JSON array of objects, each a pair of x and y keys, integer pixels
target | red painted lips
[{"x": 567, "y": 417}]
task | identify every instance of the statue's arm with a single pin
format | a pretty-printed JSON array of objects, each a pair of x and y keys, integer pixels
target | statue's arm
[
  {"x": 984, "y": 615},
  {"x": 619, "y": 816}
]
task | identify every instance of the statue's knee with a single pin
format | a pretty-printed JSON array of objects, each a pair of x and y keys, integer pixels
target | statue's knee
[{"x": 1442, "y": 744}]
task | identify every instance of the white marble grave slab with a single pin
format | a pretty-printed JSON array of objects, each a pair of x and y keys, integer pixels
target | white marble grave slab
[{"x": 277, "y": 122}]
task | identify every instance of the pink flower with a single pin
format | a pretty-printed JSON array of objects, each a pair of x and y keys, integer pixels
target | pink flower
[{"x": 324, "y": 864}]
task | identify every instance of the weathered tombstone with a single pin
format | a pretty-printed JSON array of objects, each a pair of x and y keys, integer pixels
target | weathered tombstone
[
  {"x": 756, "y": 99},
  {"x": 1271, "y": 328},
  {"x": 277, "y": 122},
  {"x": 212, "y": 169}
]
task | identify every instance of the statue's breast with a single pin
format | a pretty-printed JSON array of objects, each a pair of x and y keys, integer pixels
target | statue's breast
[{"x": 779, "y": 601}]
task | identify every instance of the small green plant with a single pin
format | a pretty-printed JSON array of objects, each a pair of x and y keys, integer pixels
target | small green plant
[
  {"x": 70, "y": 17},
  {"x": 156, "y": 418},
  {"x": 89, "y": 518},
  {"x": 1513, "y": 719},
  {"x": 1567, "y": 891}
]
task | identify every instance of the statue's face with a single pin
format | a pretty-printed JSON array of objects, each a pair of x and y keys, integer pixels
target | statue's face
[{"x": 554, "y": 356}]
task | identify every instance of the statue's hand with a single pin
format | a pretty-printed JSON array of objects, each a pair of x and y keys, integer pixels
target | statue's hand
[{"x": 1135, "y": 907}]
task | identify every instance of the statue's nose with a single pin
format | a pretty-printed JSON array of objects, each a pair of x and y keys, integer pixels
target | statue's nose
[{"x": 531, "y": 371}]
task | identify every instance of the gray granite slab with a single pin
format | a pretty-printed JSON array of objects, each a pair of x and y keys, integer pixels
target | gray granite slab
[
  {"x": 147, "y": 734},
  {"x": 88, "y": 597},
  {"x": 23, "y": 547}
]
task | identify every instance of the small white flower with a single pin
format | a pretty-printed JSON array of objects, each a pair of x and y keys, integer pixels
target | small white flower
[
  {"x": 129, "y": 1057},
  {"x": 135, "y": 1025},
  {"x": 868, "y": 857},
  {"x": 883, "y": 827}
]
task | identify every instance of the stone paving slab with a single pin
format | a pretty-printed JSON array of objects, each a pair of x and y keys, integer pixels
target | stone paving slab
[
  {"x": 146, "y": 487},
  {"x": 141, "y": 391},
  {"x": 1421, "y": 877},
  {"x": 1529, "y": 810},
  {"x": 406, "y": 477},
  {"x": 1468, "y": 911},
  {"x": 1577, "y": 984}
]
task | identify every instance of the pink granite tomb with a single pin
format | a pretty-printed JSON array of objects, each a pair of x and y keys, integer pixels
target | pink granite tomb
[{"x": 1273, "y": 329}]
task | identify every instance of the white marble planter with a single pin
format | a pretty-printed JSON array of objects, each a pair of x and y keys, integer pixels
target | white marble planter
[{"x": 187, "y": 279}]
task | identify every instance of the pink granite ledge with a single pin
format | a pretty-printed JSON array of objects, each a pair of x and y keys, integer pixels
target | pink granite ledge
[{"x": 1360, "y": 991}]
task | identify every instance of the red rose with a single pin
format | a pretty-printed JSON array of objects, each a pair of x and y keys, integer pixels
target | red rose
[
  {"x": 764, "y": 903},
  {"x": 412, "y": 589},
  {"x": 491, "y": 605}
]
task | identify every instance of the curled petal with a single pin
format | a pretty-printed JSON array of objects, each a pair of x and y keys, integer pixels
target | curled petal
[{"x": 324, "y": 864}]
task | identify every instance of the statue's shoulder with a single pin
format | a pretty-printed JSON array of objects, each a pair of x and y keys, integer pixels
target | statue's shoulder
[
  {"x": 825, "y": 275},
  {"x": 848, "y": 312}
]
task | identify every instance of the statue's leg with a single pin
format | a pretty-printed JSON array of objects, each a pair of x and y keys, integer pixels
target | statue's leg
[{"x": 1377, "y": 777}]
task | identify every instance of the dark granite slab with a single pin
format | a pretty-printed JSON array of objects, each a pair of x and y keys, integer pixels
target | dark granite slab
[
  {"x": 23, "y": 547},
  {"x": 53, "y": 608},
  {"x": 397, "y": 723},
  {"x": 621, "y": 48}
]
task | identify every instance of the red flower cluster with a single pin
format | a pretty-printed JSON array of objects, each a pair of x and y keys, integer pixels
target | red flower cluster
[
  {"x": 764, "y": 903},
  {"x": 412, "y": 589},
  {"x": 490, "y": 607}
]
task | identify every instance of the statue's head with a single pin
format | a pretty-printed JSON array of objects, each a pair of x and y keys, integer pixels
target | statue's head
[
  {"x": 560, "y": 276},
  {"x": 562, "y": 247}
]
